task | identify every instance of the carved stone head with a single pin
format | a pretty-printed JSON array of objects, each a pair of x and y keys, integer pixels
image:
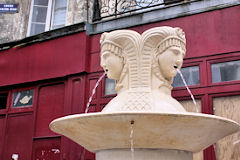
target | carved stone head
[
  {"x": 167, "y": 47},
  {"x": 111, "y": 56},
  {"x": 170, "y": 52}
]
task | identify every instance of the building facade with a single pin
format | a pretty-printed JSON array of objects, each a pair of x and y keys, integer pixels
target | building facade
[{"x": 50, "y": 63}]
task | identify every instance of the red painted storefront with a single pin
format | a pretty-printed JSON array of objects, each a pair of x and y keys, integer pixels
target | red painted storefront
[{"x": 63, "y": 71}]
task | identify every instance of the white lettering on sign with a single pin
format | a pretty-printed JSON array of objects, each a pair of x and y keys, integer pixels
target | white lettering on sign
[
  {"x": 8, "y": 5},
  {"x": 4, "y": 9}
]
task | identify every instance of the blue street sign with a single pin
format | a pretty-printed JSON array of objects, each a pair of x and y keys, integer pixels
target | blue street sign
[{"x": 8, "y": 8}]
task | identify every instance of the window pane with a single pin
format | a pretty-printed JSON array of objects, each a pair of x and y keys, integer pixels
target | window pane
[
  {"x": 37, "y": 28},
  {"x": 109, "y": 86},
  {"x": 22, "y": 98},
  {"x": 39, "y": 14},
  {"x": 226, "y": 71},
  {"x": 191, "y": 76},
  {"x": 41, "y": 2},
  {"x": 59, "y": 14},
  {"x": 3, "y": 100},
  {"x": 60, "y": 3},
  {"x": 59, "y": 18}
]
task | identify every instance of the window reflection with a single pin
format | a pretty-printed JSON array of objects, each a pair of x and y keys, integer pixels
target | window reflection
[
  {"x": 190, "y": 74},
  {"x": 109, "y": 86},
  {"x": 226, "y": 71}
]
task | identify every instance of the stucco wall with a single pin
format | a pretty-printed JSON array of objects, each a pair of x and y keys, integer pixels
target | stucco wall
[
  {"x": 14, "y": 26},
  {"x": 77, "y": 11}
]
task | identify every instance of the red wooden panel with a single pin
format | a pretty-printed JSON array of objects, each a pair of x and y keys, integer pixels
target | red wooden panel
[
  {"x": 50, "y": 106},
  {"x": 2, "y": 129},
  {"x": 89, "y": 155},
  {"x": 54, "y": 58},
  {"x": 18, "y": 138},
  {"x": 209, "y": 153},
  {"x": 94, "y": 64},
  {"x": 77, "y": 97},
  {"x": 95, "y": 43},
  {"x": 47, "y": 149},
  {"x": 71, "y": 150}
]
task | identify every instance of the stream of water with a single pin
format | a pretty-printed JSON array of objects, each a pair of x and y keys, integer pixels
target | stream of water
[
  {"x": 131, "y": 140},
  {"x": 93, "y": 92},
  {"x": 88, "y": 104},
  {"x": 185, "y": 83}
]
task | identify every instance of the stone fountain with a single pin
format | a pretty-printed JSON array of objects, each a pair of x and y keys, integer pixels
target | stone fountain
[{"x": 160, "y": 128}]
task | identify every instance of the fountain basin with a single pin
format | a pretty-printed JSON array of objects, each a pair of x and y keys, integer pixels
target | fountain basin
[{"x": 188, "y": 131}]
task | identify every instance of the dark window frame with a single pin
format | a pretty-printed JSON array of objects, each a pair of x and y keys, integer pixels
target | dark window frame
[{"x": 24, "y": 108}]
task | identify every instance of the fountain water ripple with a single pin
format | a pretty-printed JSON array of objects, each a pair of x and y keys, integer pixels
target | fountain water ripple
[
  {"x": 93, "y": 91},
  {"x": 185, "y": 83}
]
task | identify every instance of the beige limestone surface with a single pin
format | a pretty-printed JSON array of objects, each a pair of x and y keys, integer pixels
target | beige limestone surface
[{"x": 189, "y": 131}]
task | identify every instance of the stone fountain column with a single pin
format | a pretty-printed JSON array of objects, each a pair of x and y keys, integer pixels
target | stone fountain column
[{"x": 144, "y": 67}]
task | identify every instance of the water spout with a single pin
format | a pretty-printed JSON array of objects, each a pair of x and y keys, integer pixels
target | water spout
[
  {"x": 131, "y": 140},
  {"x": 93, "y": 92},
  {"x": 185, "y": 83}
]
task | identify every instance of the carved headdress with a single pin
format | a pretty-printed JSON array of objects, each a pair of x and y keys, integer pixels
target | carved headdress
[
  {"x": 156, "y": 41},
  {"x": 125, "y": 44}
]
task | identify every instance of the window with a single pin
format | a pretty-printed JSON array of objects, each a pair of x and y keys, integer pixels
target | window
[
  {"x": 3, "y": 100},
  {"x": 22, "y": 98},
  {"x": 46, "y": 15},
  {"x": 109, "y": 86},
  {"x": 191, "y": 76},
  {"x": 225, "y": 71}
]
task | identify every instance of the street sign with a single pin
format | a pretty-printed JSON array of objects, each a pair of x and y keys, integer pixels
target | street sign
[{"x": 8, "y": 8}]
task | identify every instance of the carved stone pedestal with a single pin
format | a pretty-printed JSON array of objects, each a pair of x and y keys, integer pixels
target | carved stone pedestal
[{"x": 143, "y": 154}]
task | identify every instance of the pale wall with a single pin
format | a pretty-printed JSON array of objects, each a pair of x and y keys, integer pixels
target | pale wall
[{"x": 14, "y": 26}]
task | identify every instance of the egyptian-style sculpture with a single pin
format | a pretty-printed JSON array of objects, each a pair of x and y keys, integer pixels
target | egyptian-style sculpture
[
  {"x": 143, "y": 117},
  {"x": 144, "y": 67}
]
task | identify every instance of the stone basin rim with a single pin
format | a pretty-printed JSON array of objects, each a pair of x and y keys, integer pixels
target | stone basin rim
[
  {"x": 91, "y": 132},
  {"x": 138, "y": 113}
]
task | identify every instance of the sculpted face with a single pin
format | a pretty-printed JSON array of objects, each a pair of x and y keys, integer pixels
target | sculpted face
[
  {"x": 169, "y": 61},
  {"x": 112, "y": 65}
]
